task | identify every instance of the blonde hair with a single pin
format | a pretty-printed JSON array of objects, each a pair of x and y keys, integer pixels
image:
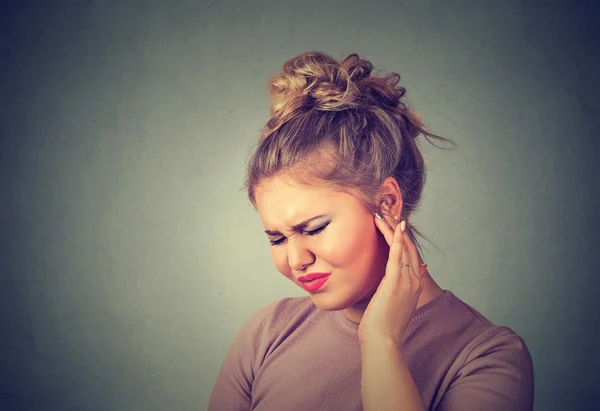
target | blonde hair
[{"x": 334, "y": 125}]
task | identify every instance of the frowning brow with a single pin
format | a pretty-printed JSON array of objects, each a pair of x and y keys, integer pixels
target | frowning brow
[{"x": 297, "y": 227}]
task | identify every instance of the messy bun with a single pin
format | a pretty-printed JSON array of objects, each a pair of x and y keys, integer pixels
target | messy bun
[
  {"x": 315, "y": 81},
  {"x": 338, "y": 125}
]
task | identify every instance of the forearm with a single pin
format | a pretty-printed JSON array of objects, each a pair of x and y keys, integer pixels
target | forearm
[{"x": 386, "y": 382}]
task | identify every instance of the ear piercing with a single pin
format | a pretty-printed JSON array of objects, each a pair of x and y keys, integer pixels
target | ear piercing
[{"x": 396, "y": 219}]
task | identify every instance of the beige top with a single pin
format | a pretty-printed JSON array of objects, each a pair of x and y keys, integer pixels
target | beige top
[{"x": 291, "y": 356}]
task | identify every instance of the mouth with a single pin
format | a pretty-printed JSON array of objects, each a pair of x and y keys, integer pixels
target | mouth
[
  {"x": 313, "y": 276},
  {"x": 315, "y": 283}
]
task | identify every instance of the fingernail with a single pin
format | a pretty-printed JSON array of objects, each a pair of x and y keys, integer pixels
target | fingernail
[
  {"x": 378, "y": 215},
  {"x": 403, "y": 225}
]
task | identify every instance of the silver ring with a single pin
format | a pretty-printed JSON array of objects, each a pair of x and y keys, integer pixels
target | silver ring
[{"x": 402, "y": 265}]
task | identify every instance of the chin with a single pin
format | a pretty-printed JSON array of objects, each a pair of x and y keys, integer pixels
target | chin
[
  {"x": 325, "y": 304},
  {"x": 328, "y": 301}
]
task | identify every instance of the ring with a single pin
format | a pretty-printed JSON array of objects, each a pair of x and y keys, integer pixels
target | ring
[{"x": 402, "y": 265}]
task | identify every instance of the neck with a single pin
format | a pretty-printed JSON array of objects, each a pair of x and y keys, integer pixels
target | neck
[{"x": 430, "y": 291}]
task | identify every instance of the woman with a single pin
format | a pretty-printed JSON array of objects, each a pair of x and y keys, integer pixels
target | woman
[{"x": 335, "y": 179}]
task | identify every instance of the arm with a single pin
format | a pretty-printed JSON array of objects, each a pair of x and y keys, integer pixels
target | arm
[
  {"x": 386, "y": 382},
  {"x": 232, "y": 390}
]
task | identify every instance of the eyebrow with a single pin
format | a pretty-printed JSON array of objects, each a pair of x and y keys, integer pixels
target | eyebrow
[{"x": 297, "y": 226}]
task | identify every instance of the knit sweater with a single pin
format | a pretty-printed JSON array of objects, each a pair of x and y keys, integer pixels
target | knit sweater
[{"x": 291, "y": 356}]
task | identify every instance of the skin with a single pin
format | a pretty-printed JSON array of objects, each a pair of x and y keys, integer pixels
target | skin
[{"x": 352, "y": 247}]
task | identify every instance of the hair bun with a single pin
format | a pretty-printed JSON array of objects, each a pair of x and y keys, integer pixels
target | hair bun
[
  {"x": 315, "y": 80},
  {"x": 356, "y": 68}
]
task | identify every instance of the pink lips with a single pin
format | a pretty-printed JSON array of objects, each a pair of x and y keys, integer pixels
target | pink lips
[
  {"x": 314, "y": 281},
  {"x": 313, "y": 276}
]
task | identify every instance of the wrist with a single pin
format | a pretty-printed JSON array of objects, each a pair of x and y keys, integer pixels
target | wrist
[{"x": 380, "y": 343}]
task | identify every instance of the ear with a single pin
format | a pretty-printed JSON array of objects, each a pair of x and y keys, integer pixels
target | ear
[{"x": 389, "y": 199}]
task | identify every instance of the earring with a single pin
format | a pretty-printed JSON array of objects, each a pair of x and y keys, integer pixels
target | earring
[{"x": 396, "y": 219}]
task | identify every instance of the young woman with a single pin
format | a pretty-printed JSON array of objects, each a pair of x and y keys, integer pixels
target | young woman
[{"x": 335, "y": 178}]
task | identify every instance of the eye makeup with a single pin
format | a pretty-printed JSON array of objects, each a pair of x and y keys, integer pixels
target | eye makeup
[
  {"x": 297, "y": 227},
  {"x": 310, "y": 233}
]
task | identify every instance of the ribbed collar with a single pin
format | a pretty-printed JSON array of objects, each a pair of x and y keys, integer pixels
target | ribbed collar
[{"x": 420, "y": 313}]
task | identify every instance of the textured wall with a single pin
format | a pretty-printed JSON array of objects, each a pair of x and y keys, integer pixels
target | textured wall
[{"x": 129, "y": 256}]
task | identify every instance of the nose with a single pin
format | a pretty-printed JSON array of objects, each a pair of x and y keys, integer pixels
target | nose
[{"x": 299, "y": 257}]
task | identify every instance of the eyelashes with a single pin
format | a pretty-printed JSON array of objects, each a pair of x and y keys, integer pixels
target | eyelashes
[{"x": 311, "y": 233}]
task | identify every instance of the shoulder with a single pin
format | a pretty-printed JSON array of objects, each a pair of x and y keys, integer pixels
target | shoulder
[
  {"x": 492, "y": 368},
  {"x": 499, "y": 345},
  {"x": 496, "y": 374},
  {"x": 485, "y": 333},
  {"x": 278, "y": 314},
  {"x": 483, "y": 336},
  {"x": 261, "y": 330},
  {"x": 282, "y": 308}
]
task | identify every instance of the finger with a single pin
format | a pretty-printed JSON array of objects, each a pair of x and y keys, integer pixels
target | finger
[
  {"x": 391, "y": 220},
  {"x": 406, "y": 258},
  {"x": 386, "y": 229},
  {"x": 395, "y": 256},
  {"x": 410, "y": 249}
]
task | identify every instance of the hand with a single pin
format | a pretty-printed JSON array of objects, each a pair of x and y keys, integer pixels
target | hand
[{"x": 395, "y": 300}]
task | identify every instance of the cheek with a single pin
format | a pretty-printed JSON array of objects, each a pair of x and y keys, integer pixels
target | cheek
[
  {"x": 353, "y": 246},
  {"x": 280, "y": 260}
]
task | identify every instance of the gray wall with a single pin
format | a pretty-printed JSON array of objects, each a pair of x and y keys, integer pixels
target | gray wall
[{"x": 129, "y": 255}]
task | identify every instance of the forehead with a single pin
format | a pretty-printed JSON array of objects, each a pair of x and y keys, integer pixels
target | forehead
[
  {"x": 280, "y": 190},
  {"x": 280, "y": 200}
]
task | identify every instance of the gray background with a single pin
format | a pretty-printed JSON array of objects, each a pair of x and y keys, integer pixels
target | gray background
[{"x": 129, "y": 255}]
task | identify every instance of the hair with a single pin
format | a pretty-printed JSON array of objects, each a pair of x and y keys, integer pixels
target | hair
[{"x": 335, "y": 125}]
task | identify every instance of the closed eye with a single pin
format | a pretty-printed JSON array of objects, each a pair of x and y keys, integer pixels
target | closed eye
[{"x": 313, "y": 232}]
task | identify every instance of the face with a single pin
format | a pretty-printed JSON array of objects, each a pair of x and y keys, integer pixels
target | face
[{"x": 343, "y": 240}]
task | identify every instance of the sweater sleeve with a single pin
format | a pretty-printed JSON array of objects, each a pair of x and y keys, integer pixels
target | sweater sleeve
[
  {"x": 497, "y": 376},
  {"x": 232, "y": 390}
]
